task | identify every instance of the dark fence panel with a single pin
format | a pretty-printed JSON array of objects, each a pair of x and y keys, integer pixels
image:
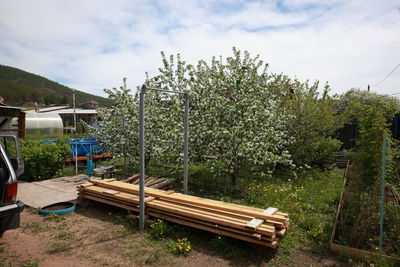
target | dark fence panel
[
  {"x": 349, "y": 133},
  {"x": 395, "y": 127}
]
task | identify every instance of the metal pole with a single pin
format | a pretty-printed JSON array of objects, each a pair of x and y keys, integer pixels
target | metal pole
[
  {"x": 141, "y": 159},
  {"x": 76, "y": 143},
  {"x": 382, "y": 192},
  {"x": 186, "y": 145},
  {"x": 124, "y": 143}
]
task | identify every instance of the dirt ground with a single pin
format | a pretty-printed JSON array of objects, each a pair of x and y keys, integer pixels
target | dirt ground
[{"x": 100, "y": 235}]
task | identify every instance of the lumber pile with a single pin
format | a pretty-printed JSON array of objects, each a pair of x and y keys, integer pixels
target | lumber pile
[
  {"x": 262, "y": 227},
  {"x": 150, "y": 181}
]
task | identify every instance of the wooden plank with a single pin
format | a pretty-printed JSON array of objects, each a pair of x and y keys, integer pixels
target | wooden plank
[
  {"x": 122, "y": 205},
  {"x": 111, "y": 195},
  {"x": 270, "y": 211},
  {"x": 243, "y": 218},
  {"x": 163, "y": 184},
  {"x": 231, "y": 223},
  {"x": 111, "y": 192},
  {"x": 85, "y": 185},
  {"x": 184, "y": 208},
  {"x": 272, "y": 244},
  {"x": 177, "y": 197},
  {"x": 254, "y": 223},
  {"x": 149, "y": 180},
  {"x": 220, "y": 227},
  {"x": 240, "y": 216},
  {"x": 281, "y": 232},
  {"x": 138, "y": 179},
  {"x": 131, "y": 178},
  {"x": 148, "y": 199},
  {"x": 359, "y": 254},
  {"x": 121, "y": 196},
  {"x": 113, "y": 203},
  {"x": 216, "y": 220},
  {"x": 156, "y": 181}
]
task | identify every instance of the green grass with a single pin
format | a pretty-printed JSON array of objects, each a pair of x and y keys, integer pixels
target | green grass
[
  {"x": 33, "y": 227},
  {"x": 57, "y": 247},
  {"x": 311, "y": 200},
  {"x": 54, "y": 218},
  {"x": 64, "y": 235},
  {"x": 32, "y": 263}
]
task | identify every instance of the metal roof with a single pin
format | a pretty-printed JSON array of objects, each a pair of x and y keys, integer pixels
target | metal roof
[
  {"x": 68, "y": 111},
  {"x": 9, "y": 111}
]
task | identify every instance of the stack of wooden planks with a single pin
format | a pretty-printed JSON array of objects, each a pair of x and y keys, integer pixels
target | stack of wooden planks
[
  {"x": 262, "y": 227},
  {"x": 150, "y": 181}
]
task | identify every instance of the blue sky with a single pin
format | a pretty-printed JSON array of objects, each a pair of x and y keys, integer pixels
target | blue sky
[{"x": 90, "y": 45}]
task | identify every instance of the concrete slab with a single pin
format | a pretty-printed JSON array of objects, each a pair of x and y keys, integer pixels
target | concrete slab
[{"x": 47, "y": 192}]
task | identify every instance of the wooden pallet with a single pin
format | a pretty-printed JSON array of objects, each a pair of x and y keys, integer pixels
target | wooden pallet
[{"x": 258, "y": 226}]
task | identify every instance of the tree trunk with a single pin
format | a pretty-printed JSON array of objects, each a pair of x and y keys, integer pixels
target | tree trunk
[
  {"x": 233, "y": 176},
  {"x": 146, "y": 161}
]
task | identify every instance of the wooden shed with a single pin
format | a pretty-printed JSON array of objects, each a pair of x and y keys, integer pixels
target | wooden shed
[{"x": 7, "y": 113}]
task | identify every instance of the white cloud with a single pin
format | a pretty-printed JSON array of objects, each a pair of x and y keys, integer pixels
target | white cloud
[{"x": 90, "y": 45}]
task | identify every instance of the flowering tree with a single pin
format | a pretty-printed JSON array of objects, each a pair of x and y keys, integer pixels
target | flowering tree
[
  {"x": 237, "y": 121},
  {"x": 234, "y": 120},
  {"x": 117, "y": 125}
]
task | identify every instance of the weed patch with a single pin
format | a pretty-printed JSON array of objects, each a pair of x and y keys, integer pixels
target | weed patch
[
  {"x": 33, "y": 227},
  {"x": 64, "y": 235},
  {"x": 159, "y": 229},
  {"x": 58, "y": 247},
  {"x": 181, "y": 247},
  {"x": 54, "y": 218},
  {"x": 32, "y": 263}
]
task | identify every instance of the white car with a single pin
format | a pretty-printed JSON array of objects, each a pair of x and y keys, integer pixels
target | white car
[{"x": 11, "y": 167}]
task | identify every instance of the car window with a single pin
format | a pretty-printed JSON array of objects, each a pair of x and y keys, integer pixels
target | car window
[{"x": 8, "y": 144}]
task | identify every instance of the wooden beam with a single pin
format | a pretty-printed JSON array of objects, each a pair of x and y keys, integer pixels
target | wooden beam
[
  {"x": 21, "y": 124},
  {"x": 181, "y": 198},
  {"x": 272, "y": 244}
]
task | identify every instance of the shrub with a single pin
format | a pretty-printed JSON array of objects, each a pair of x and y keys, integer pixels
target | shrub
[
  {"x": 313, "y": 122},
  {"x": 324, "y": 148},
  {"x": 43, "y": 160},
  {"x": 158, "y": 229}
]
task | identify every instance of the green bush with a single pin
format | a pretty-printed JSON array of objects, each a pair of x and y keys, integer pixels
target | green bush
[
  {"x": 158, "y": 229},
  {"x": 43, "y": 160},
  {"x": 324, "y": 148}
]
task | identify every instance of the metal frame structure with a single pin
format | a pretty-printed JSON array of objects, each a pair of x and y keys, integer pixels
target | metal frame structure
[{"x": 143, "y": 90}]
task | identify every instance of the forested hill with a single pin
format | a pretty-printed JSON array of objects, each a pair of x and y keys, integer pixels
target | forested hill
[{"x": 18, "y": 87}]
